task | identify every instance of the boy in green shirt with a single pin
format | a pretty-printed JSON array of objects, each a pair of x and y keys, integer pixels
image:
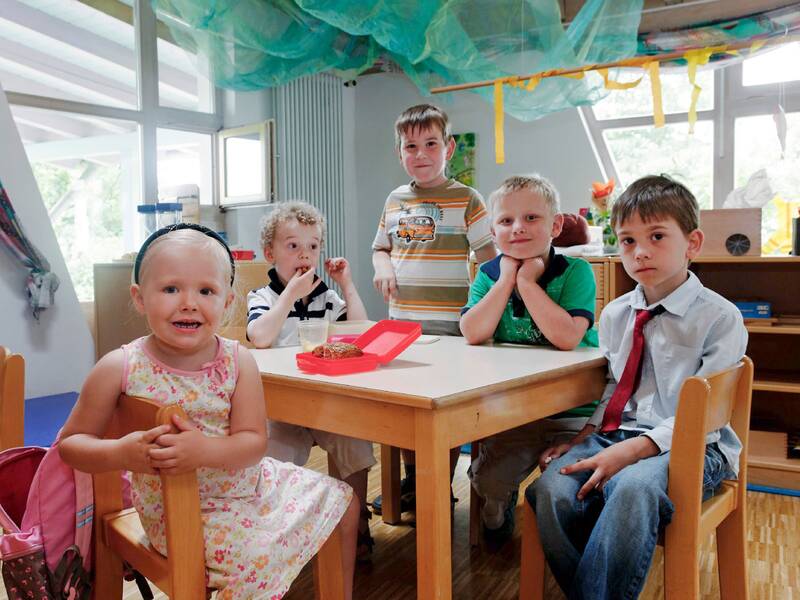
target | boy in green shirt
[{"x": 527, "y": 295}]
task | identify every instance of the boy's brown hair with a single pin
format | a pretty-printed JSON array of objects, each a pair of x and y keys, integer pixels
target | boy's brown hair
[
  {"x": 420, "y": 117},
  {"x": 657, "y": 196},
  {"x": 302, "y": 212}
]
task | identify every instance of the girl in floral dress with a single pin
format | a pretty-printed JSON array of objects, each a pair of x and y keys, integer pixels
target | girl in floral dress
[{"x": 263, "y": 519}]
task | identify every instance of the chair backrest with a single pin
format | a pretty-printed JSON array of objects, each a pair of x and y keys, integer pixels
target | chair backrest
[
  {"x": 184, "y": 527},
  {"x": 706, "y": 404},
  {"x": 12, "y": 399}
]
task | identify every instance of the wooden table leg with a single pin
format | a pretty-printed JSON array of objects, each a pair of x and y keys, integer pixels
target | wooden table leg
[
  {"x": 475, "y": 502},
  {"x": 390, "y": 484},
  {"x": 434, "y": 563}
]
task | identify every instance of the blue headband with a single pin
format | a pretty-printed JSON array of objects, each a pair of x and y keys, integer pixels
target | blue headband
[{"x": 178, "y": 227}]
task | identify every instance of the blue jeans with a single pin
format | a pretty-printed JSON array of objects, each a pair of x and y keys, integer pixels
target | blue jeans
[{"x": 601, "y": 547}]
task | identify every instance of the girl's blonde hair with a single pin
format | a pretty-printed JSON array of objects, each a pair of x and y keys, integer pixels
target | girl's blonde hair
[
  {"x": 302, "y": 212},
  {"x": 187, "y": 237}
]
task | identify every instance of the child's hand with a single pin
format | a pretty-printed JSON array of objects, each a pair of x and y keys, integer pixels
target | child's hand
[
  {"x": 552, "y": 453},
  {"x": 180, "y": 452},
  {"x": 386, "y": 284},
  {"x": 531, "y": 269},
  {"x": 136, "y": 446},
  {"x": 611, "y": 461},
  {"x": 339, "y": 270},
  {"x": 301, "y": 285},
  {"x": 509, "y": 267}
]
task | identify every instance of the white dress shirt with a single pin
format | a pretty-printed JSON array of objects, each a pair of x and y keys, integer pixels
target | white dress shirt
[{"x": 699, "y": 333}]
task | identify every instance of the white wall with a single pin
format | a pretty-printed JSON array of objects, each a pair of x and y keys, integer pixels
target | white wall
[
  {"x": 555, "y": 146},
  {"x": 58, "y": 349}
]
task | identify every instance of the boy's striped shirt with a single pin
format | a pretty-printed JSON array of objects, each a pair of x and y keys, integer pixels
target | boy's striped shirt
[{"x": 428, "y": 233}]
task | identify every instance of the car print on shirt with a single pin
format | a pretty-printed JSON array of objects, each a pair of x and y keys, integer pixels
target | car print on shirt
[{"x": 418, "y": 228}]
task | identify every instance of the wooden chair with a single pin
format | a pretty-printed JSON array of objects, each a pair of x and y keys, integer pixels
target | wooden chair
[
  {"x": 706, "y": 404},
  {"x": 12, "y": 399},
  {"x": 119, "y": 535}
]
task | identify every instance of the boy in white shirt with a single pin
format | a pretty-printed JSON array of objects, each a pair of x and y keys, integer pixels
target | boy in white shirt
[
  {"x": 602, "y": 500},
  {"x": 292, "y": 236}
]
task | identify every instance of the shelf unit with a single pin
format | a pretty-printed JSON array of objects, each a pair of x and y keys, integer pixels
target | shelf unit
[{"x": 775, "y": 349}]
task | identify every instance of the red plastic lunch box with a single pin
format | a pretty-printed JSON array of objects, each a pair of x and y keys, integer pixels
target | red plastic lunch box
[{"x": 381, "y": 343}]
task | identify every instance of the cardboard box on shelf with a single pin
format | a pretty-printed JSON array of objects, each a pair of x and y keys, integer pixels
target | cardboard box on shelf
[{"x": 731, "y": 232}]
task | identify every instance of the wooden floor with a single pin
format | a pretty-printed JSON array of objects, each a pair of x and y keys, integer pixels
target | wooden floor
[{"x": 774, "y": 552}]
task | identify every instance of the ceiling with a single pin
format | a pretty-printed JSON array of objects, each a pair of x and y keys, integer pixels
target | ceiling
[{"x": 665, "y": 15}]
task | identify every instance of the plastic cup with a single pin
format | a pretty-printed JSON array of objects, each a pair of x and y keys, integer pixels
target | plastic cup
[{"x": 312, "y": 333}]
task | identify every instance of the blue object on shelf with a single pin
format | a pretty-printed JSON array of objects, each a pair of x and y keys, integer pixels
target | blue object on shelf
[{"x": 754, "y": 310}]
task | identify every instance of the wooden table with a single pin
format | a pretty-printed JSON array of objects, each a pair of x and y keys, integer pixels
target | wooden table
[{"x": 432, "y": 398}]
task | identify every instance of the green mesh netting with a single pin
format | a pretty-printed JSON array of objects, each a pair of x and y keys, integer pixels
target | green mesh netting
[{"x": 252, "y": 44}]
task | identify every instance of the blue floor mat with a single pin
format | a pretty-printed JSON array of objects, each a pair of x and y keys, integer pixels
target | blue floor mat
[{"x": 45, "y": 415}]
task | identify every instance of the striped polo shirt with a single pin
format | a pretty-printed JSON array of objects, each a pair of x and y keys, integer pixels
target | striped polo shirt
[
  {"x": 428, "y": 233},
  {"x": 323, "y": 303}
]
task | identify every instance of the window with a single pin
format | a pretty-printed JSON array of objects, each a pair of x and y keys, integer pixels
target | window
[
  {"x": 69, "y": 50},
  {"x": 730, "y": 143},
  {"x": 88, "y": 171},
  {"x": 70, "y": 70},
  {"x": 757, "y": 148},
  {"x": 778, "y": 65},
  {"x": 638, "y": 151},
  {"x": 182, "y": 82},
  {"x": 638, "y": 102}
]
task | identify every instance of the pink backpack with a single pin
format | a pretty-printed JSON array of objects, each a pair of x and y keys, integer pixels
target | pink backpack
[
  {"x": 46, "y": 511},
  {"x": 46, "y": 514}
]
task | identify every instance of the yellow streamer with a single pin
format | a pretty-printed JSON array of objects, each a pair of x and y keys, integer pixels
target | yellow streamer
[
  {"x": 616, "y": 85},
  {"x": 757, "y": 45},
  {"x": 653, "y": 69},
  {"x": 499, "y": 141},
  {"x": 533, "y": 82},
  {"x": 578, "y": 75},
  {"x": 694, "y": 58}
]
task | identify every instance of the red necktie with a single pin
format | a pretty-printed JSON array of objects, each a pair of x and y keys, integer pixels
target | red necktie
[{"x": 631, "y": 374}]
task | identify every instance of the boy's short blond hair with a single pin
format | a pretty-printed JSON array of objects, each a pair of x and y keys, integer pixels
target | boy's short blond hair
[
  {"x": 302, "y": 212},
  {"x": 534, "y": 183},
  {"x": 657, "y": 196},
  {"x": 419, "y": 118}
]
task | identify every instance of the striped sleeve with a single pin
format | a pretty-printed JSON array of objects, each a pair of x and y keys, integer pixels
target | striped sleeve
[
  {"x": 477, "y": 220},
  {"x": 382, "y": 240},
  {"x": 337, "y": 305},
  {"x": 258, "y": 302}
]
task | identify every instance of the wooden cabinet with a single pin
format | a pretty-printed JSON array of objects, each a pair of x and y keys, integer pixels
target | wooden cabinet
[
  {"x": 117, "y": 321},
  {"x": 600, "y": 270},
  {"x": 773, "y": 346}
]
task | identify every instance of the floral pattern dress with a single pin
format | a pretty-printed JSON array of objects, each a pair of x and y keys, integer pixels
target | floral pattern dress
[{"x": 262, "y": 524}]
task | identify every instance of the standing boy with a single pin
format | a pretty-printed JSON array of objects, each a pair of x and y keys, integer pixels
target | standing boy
[
  {"x": 603, "y": 499},
  {"x": 527, "y": 295},
  {"x": 421, "y": 250},
  {"x": 292, "y": 236}
]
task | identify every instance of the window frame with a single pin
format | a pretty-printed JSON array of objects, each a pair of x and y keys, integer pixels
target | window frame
[
  {"x": 732, "y": 100},
  {"x": 149, "y": 115}
]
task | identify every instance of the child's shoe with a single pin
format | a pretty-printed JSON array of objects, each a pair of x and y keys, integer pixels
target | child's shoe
[
  {"x": 364, "y": 541},
  {"x": 497, "y": 532},
  {"x": 408, "y": 497}
]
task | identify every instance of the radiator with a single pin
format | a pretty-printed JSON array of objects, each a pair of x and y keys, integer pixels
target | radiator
[{"x": 310, "y": 147}]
